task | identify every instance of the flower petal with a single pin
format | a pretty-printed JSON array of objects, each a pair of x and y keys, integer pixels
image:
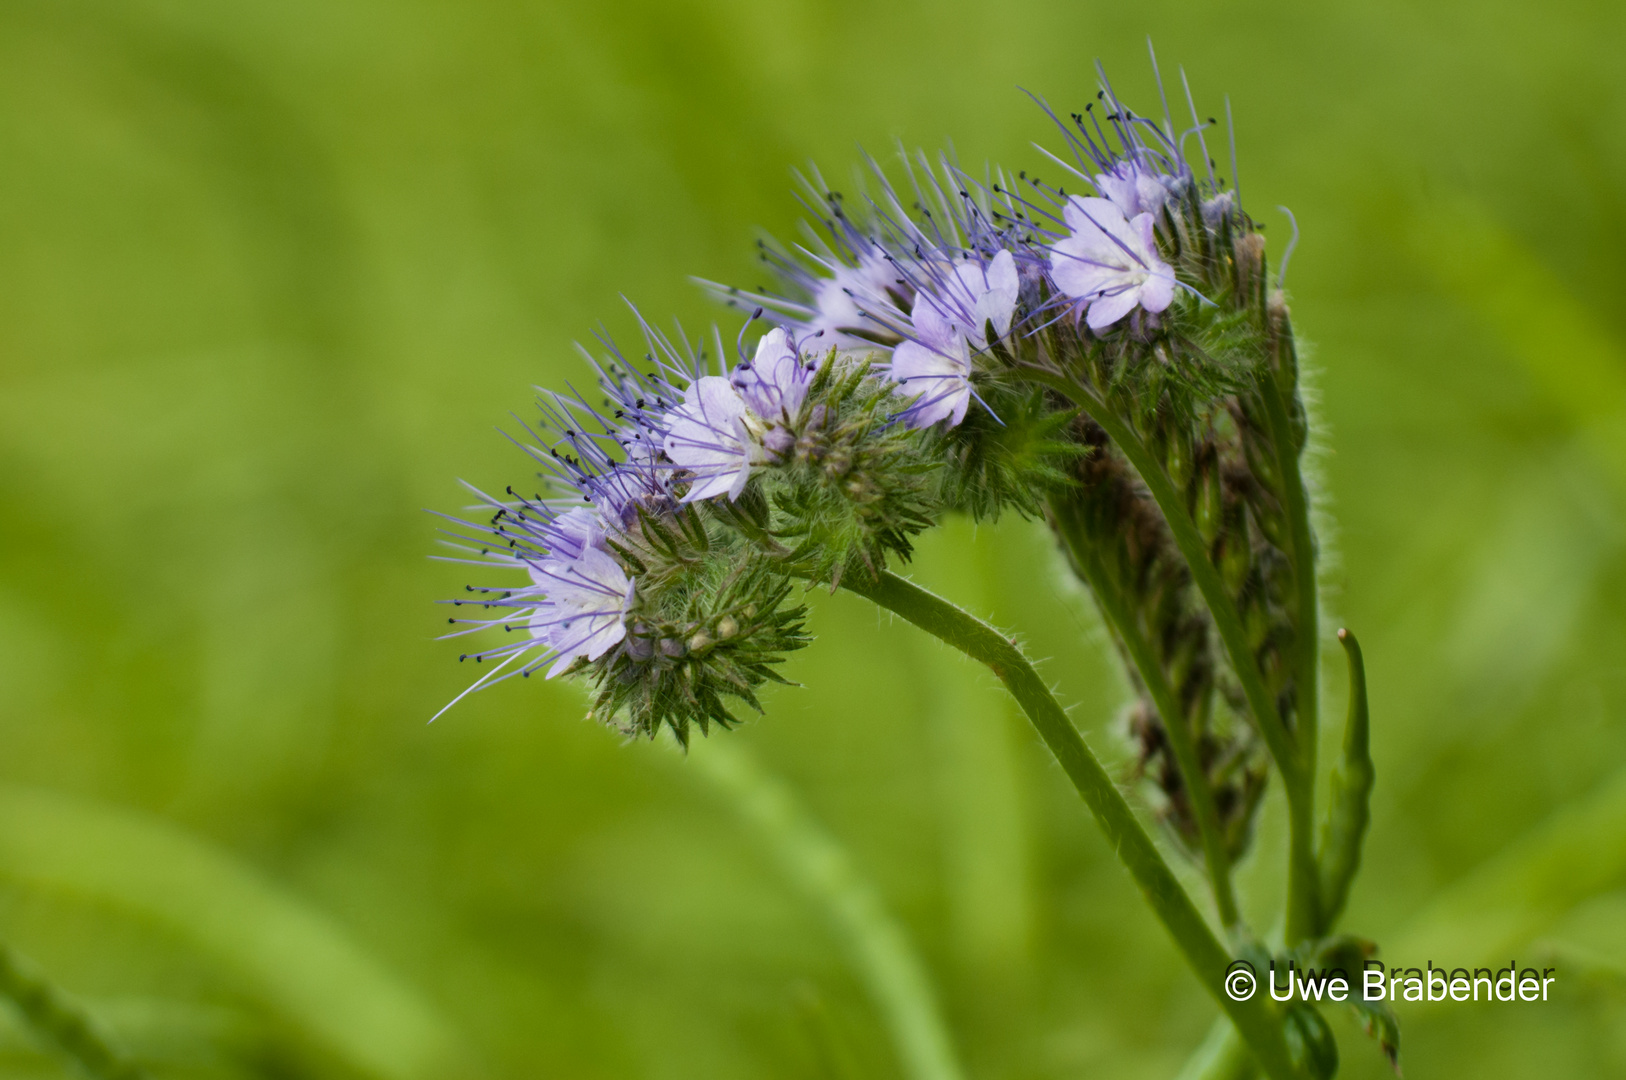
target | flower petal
[{"x": 703, "y": 437}]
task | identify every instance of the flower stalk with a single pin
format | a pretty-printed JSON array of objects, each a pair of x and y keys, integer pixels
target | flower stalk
[
  {"x": 1087, "y": 565},
  {"x": 1204, "y": 954}
]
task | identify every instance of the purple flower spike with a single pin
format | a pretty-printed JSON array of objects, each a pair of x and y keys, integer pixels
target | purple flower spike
[
  {"x": 1109, "y": 263},
  {"x": 934, "y": 366}
]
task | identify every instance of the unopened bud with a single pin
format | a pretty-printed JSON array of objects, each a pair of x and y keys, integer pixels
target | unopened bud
[
  {"x": 1178, "y": 461},
  {"x": 1234, "y": 559},
  {"x": 1210, "y": 509},
  {"x": 671, "y": 647},
  {"x": 727, "y": 627}
]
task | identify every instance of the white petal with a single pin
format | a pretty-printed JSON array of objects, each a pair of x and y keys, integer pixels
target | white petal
[
  {"x": 937, "y": 382},
  {"x": 774, "y": 384},
  {"x": 933, "y": 326},
  {"x": 992, "y": 291},
  {"x": 1158, "y": 291},
  {"x": 1083, "y": 212},
  {"x": 703, "y": 436},
  {"x": 1106, "y": 310}
]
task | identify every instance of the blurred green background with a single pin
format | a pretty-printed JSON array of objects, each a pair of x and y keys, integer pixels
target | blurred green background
[{"x": 271, "y": 273}]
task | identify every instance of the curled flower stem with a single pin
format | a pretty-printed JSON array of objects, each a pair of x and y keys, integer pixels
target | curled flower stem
[
  {"x": 1303, "y": 874},
  {"x": 61, "y": 1022},
  {"x": 1174, "y": 718},
  {"x": 1254, "y": 1019}
]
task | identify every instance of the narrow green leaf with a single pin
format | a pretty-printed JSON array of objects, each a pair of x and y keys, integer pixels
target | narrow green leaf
[{"x": 1348, "y": 811}]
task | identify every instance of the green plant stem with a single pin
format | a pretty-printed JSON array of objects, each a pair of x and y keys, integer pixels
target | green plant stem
[
  {"x": 821, "y": 870},
  {"x": 1303, "y": 876},
  {"x": 1254, "y": 1019},
  {"x": 62, "y": 1022},
  {"x": 1306, "y": 916},
  {"x": 1164, "y": 699},
  {"x": 1304, "y": 579}
]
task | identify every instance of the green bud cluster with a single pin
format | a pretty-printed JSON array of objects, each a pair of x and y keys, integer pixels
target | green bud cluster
[
  {"x": 709, "y": 623},
  {"x": 852, "y": 487}
]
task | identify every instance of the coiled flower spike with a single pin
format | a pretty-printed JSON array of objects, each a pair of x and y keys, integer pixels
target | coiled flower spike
[{"x": 1118, "y": 363}]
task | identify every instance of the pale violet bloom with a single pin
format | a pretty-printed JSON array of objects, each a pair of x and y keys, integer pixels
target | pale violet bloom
[
  {"x": 934, "y": 366},
  {"x": 1133, "y": 189},
  {"x": 850, "y": 300},
  {"x": 1110, "y": 264},
  {"x": 726, "y": 427},
  {"x": 774, "y": 382},
  {"x": 573, "y": 532},
  {"x": 707, "y": 436},
  {"x": 581, "y": 606}
]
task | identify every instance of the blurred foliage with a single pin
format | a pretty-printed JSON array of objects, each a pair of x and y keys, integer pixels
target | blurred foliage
[{"x": 270, "y": 273}]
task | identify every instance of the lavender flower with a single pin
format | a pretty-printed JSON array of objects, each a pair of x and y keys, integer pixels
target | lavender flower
[
  {"x": 726, "y": 427},
  {"x": 949, "y": 323},
  {"x": 580, "y": 606},
  {"x": 1133, "y": 188},
  {"x": 774, "y": 382},
  {"x": 1109, "y": 263},
  {"x": 852, "y": 301},
  {"x": 708, "y": 438}
]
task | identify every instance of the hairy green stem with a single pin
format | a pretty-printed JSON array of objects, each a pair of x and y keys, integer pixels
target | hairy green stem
[
  {"x": 1164, "y": 699},
  {"x": 1303, "y": 875},
  {"x": 822, "y": 871},
  {"x": 1305, "y": 914},
  {"x": 62, "y": 1022},
  {"x": 1254, "y": 1019},
  {"x": 1304, "y": 577}
]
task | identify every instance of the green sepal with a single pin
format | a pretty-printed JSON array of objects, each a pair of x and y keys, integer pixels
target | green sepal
[
  {"x": 1310, "y": 1042},
  {"x": 1350, "y": 953},
  {"x": 1008, "y": 455},
  {"x": 1348, "y": 811}
]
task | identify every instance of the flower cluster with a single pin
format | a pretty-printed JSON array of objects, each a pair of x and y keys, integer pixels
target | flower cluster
[
  {"x": 1117, "y": 362},
  {"x": 909, "y": 367}
]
